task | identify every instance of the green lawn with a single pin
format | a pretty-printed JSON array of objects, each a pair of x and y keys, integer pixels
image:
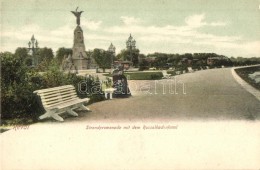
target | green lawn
[{"x": 142, "y": 75}]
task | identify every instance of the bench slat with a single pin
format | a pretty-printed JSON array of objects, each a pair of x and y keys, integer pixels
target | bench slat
[
  {"x": 56, "y": 91},
  {"x": 59, "y": 100},
  {"x": 58, "y": 95},
  {"x": 69, "y": 98},
  {"x": 51, "y": 98},
  {"x": 67, "y": 103},
  {"x": 54, "y": 88},
  {"x": 64, "y": 105},
  {"x": 51, "y": 102}
]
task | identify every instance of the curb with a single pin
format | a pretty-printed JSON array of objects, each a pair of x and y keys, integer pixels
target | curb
[{"x": 245, "y": 85}]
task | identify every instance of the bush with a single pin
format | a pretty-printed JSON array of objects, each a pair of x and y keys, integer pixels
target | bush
[
  {"x": 17, "y": 99},
  {"x": 156, "y": 76},
  {"x": 142, "y": 68},
  {"x": 18, "y": 83}
]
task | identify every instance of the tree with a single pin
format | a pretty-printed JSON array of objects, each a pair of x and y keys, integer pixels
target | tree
[
  {"x": 125, "y": 54},
  {"x": 61, "y": 52},
  {"x": 17, "y": 98},
  {"x": 21, "y": 53},
  {"x": 143, "y": 63},
  {"x": 45, "y": 54},
  {"x": 102, "y": 58}
]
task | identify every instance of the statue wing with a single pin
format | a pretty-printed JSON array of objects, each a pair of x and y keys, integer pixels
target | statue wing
[{"x": 73, "y": 12}]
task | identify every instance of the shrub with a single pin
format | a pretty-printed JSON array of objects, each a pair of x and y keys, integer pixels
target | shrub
[
  {"x": 17, "y": 99},
  {"x": 18, "y": 83},
  {"x": 156, "y": 76}
]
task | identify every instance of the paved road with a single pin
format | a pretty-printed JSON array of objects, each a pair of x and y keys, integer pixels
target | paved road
[{"x": 210, "y": 95}]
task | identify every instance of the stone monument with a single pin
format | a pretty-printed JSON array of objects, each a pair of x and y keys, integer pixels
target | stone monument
[{"x": 79, "y": 57}]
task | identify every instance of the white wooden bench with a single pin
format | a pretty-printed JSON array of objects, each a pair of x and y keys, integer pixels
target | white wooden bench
[{"x": 60, "y": 99}]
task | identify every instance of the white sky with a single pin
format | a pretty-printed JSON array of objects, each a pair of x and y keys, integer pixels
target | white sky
[{"x": 224, "y": 27}]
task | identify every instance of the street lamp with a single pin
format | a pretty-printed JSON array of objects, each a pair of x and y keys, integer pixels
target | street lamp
[
  {"x": 130, "y": 45},
  {"x": 33, "y": 45},
  {"x": 112, "y": 50}
]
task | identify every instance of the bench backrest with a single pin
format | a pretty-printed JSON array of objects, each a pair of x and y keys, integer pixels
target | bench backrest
[{"x": 57, "y": 95}]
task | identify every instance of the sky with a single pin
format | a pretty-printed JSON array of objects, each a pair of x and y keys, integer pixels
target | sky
[{"x": 227, "y": 27}]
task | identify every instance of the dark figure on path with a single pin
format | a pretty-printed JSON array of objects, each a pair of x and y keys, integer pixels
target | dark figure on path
[{"x": 120, "y": 84}]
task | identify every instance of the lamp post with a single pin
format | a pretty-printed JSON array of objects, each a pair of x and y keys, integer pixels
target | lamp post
[
  {"x": 130, "y": 45},
  {"x": 112, "y": 50},
  {"x": 33, "y": 45}
]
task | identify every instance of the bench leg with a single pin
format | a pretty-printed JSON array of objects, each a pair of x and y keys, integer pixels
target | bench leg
[
  {"x": 47, "y": 114},
  {"x": 51, "y": 114},
  {"x": 84, "y": 107},
  {"x": 57, "y": 117},
  {"x": 44, "y": 116},
  {"x": 71, "y": 112}
]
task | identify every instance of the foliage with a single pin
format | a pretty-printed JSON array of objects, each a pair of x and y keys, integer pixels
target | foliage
[
  {"x": 103, "y": 58},
  {"x": 240, "y": 61},
  {"x": 45, "y": 57},
  {"x": 196, "y": 60},
  {"x": 16, "y": 87},
  {"x": 125, "y": 55},
  {"x": 45, "y": 54},
  {"x": 21, "y": 53},
  {"x": 18, "y": 83},
  {"x": 61, "y": 52},
  {"x": 143, "y": 65},
  {"x": 156, "y": 76}
]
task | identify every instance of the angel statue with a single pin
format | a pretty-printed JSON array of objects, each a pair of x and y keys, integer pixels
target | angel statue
[{"x": 77, "y": 14}]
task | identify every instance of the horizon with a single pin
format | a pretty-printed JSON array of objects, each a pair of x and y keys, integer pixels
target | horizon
[{"x": 170, "y": 27}]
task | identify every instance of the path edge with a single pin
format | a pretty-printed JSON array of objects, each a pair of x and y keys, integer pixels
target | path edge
[{"x": 245, "y": 85}]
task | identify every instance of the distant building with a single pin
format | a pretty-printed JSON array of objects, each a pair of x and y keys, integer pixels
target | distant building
[{"x": 214, "y": 60}]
